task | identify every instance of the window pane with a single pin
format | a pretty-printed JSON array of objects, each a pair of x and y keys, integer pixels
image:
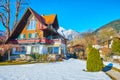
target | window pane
[
  {"x": 56, "y": 50},
  {"x": 35, "y": 49},
  {"x": 50, "y": 50},
  {"x": 32, "y": 25}
]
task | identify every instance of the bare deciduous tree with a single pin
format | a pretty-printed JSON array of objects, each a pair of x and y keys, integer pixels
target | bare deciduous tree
[
  {"x": 5, "y": 13},
  {"x": 6, "y": 17}
]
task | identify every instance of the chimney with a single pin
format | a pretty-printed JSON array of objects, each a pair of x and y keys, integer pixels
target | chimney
[{"x": 42, "y": 15}]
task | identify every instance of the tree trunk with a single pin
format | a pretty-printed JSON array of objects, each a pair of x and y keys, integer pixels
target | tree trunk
[
  {"x": 9, "y": 55},
  {"x": 8, "y": 33},
  {"x": 8, "y": 20}
]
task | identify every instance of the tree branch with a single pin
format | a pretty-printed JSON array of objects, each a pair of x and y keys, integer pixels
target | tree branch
[
  {"x": 3, "y": 19},
  {"x": 19, "y": 4}
]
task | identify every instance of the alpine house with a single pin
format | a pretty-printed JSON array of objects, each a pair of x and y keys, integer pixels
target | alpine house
[{"x": 36, "y": 33}]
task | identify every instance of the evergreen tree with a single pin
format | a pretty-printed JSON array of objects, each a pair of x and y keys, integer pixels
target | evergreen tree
[
  {"x": 94, "y": 62},
  {"x": 116, "y": 46}
]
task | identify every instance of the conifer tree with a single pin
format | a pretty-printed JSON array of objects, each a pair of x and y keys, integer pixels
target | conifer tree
[
  {"x": 94, "y": 62},
  {"x": 116, "y": 46}
]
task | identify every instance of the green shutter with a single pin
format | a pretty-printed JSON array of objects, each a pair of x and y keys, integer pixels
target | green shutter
[
  {"x": 29, "y": 35},
  {"x": 36, "y": 35},
  {"x": 24, "y": 36},
  {"x": 18, "y": 36}
]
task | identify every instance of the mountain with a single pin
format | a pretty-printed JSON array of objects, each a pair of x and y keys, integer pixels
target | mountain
[
  {"x": 108, "y": 30},
  {"x": 69, "y": 34},
  {"x": 112, "y": 26}
]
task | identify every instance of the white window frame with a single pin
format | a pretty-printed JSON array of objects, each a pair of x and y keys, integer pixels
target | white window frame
[{"x": 32, "y": 24}]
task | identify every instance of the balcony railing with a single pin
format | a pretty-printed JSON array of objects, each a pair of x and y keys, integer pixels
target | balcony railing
[{"x": 43, "y": 40}]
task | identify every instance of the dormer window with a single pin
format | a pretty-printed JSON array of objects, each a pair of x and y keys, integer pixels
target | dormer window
[{"x": 31, "y": 24}]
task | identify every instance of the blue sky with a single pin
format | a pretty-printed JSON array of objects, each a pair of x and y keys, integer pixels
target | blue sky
[{"x": 79, "y": 15}]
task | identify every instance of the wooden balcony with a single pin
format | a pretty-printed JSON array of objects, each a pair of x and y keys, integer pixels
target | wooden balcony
[{"x": 43, "y": 40}]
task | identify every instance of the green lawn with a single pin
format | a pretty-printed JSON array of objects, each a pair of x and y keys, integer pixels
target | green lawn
[{"x": 15, "y": 63}]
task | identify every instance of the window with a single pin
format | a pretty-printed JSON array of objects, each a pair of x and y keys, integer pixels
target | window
[
  {"x": 32, "y": 35},
  {"x": 31, "y": 25},
  {"x": 56, "y": 50},
  {"x": 35, "y": 49},
  {"x": 20, "y": 49},
  {"x": 50, "y": 50},
  {"x": 22, "y": 36},
  {"x": 53, "y": 50}
]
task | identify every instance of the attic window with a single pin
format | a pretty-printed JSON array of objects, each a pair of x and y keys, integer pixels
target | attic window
[{"x": 31, "y": 25}]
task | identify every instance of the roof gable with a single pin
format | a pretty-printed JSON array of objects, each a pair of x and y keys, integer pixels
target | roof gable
[{"x": 46, "y": 20}]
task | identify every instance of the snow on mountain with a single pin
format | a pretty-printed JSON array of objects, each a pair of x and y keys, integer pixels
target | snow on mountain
[{"x": 69, "y": 34}]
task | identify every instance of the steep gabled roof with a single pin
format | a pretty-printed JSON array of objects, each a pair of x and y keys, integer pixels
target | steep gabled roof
[
  {"x": 49, "y": 19},
  {"x": 45, "y": 20}
]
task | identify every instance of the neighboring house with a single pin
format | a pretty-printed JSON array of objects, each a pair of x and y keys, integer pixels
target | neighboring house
[
  {"x": 106, "y": 45},
  {"x": 75, "y": 48},
  {"x": 76, "y": 51},
  {"x": 97, "y": 46},
  {"x": 36, "y": 33}
]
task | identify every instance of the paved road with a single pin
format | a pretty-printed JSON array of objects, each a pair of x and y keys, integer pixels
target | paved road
[{"x": 114, "y": 74}]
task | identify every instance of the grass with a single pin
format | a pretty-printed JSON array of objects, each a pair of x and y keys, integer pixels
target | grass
[
  {"x": 15, "y": 63},
  {"x": 24, "y": 62}
]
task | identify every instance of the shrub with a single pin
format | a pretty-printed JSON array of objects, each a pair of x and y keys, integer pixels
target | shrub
[
  {"x": 39, "y": 57},
  {"x": 94, "y": 62},
  {"x": 35, "y": 56},
  {"x": 43, "y": 58}
]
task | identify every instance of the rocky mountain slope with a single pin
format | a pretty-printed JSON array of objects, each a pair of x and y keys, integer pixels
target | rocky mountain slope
[{"x": 69, "y": 34}]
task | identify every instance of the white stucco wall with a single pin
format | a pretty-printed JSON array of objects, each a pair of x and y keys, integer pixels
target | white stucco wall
[
  {"x": 42, "y": 49},
  {"x": 63, "y": 46},
  {"x": 28, "y": 49}
]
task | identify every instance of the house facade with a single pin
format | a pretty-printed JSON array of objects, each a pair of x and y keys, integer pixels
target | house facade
[
  {"x": 106, "y": 46},
  {"x": 36, "y": 33}
]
